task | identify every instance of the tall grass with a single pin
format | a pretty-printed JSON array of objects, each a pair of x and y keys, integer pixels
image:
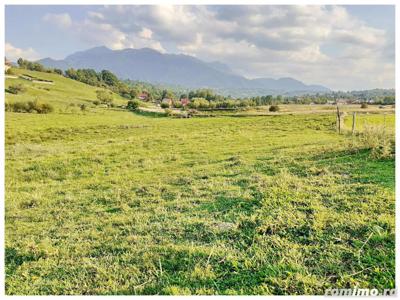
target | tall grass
[{"x": 378, "y": 140}]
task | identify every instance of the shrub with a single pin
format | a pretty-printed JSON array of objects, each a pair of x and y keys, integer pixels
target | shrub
[
  {"x": 364, "y": 105},
  {"x": 274, "y": 108},
  {"x": 40, "y": 108},
  {"x": 164, "y": 105},
  {"x": 16, "y": 88},
  {"x": 377, "y": 140},
  {"x": 212, "y": 105},
  {"x": 58, "y": 71},
  {"x": 96, "y": 102},
  {"x": 199, "y": 103},
  {"x": 169, "y": 112},
  {"x": 133, "y": 104},
  {"x": 105, "y": 97},
  {"x": 19, "y": 107},
  {"x": 29, "y": 107},
  {"x": 44, "y": 108},
  {"x": 8, "y": 106},
  {"x": 10, "y": 71},
  {"x": 82, "y": 107},
  {"x": 227, "y": 104},
  {"x": 177, "y": 104}
]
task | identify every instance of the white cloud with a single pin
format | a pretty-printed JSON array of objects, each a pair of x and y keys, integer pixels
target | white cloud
[
  {"x": 96, "y": 30},
  {"x": 257, "y": 41},
  {"x": 13, "y": 53},
  {"x": 146, "y": 33},
  {"x": 60, "y": 20}
]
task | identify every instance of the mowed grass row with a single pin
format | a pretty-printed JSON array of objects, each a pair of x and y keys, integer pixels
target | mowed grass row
[{"x": 117, "y": 203}]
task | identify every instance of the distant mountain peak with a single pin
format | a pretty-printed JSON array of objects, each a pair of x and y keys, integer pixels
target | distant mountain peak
[
  {"x": 147, "y": 64},
  {"x": 150, "y": 50},
  {"x": 99, "y": 49}
]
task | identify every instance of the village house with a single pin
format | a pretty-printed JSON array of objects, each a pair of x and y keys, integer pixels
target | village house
[
  {"x": 185, "y": 101},
  {"x": 343, "y": 101}
]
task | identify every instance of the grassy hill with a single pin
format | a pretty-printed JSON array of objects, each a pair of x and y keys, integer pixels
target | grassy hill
[
  {"x": 113, "y": 202},
  {"x": 62, "y": 93}
]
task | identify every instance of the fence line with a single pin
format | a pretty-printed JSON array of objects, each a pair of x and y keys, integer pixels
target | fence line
[{"x": 358, "y": 118}]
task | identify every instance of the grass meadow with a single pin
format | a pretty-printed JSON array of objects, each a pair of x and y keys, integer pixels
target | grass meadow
[{"x": 108, "y": 201}]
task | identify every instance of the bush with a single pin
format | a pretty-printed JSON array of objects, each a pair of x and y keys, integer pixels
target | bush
[
  {"x": 228, "y": 104},
  {"x": 44, "y": 108},
  {"x": 212, "y": 105},
  {"x": 30, "y": 107},
  {"x": 364, "y": 105},
  {"x": 177, "y": 104},
  {"x": 82, "y": 107},
  {"x": 10, "y": 71},
  {"x": 16, "y": 88},
  {"x": 58, "y": 71},
  {"x": 105, "y": 97},
  {"x": 169, "y": 112},
  {"x": 96, "y": 102},
  {"x": 274, "y": 108},
  {"x": 164, "y": 105},
  {"x": 19, "y": 107},
  {"x": 378, "y": 141},
  {"x": 199, "y": 103},
  {"x": 133, "y": 104}
]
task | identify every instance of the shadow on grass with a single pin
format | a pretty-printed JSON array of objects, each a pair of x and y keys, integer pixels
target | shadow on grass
[
  {"x": 14, "y": 259},
  {"x": 361, "y": 166}
]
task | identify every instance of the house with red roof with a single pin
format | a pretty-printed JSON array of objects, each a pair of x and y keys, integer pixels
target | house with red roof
[{"x": 185, "y": 101}]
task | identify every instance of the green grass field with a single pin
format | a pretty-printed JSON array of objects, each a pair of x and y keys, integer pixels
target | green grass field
[
  {"x": 61, "y": 94},
  {"x": 113, "y": 202}
]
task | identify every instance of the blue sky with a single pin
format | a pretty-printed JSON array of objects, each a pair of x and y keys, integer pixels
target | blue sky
[{"x": 343, "y": 47}]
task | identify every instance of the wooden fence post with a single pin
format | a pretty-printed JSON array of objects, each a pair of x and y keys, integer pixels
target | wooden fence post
[
  {"x": 338, "y": 118},
  {"x": 384, "y": 124},
  {"x": 353, "y": 128}
]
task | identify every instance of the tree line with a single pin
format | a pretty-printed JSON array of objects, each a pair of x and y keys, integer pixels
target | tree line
[{"x": 130, "y": 89}]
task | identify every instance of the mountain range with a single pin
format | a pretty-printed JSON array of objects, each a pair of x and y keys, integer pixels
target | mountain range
[{"x": 177, "y": 69}]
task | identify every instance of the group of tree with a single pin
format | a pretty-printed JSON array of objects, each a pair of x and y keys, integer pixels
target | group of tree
[
  {"x": 35, "y": 66},
  {"x": 207, "y": 94},
  {"x": 204, "y": 104},
  {"x": 104, "y": 79},
  {"x": 387, "y": 100}
]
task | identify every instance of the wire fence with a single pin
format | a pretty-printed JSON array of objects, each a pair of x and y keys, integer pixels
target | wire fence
[{"x": 356, "y": 122}]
